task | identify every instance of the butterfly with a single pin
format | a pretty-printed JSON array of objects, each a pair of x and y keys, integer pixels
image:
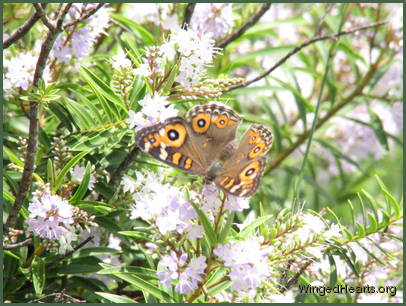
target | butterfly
[{"x": 203, "y": 143}]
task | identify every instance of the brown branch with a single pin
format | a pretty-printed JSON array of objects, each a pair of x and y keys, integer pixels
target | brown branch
[
  {"x": 128, "y": 160},
  {"x": 188, "y": 14},
  {"x": 294, "y": 279},
  {"x": 85, "y": 16},
  {"x": 43, "y": 16},
  {"x": 300, "y": 47},
  {"x": 33, "y": 126},
  {"x": 302, "y": 138},
  {"x": 24, "y": 29},
  {"x": 17, "y": 245},
  {"x": 250, "y": 22},
  {"x": 82, "y": 244}
]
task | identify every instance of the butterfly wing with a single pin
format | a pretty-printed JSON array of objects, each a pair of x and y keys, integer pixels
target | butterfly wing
[
  {"x": 213, "y": 127},
  {"x": 242, "y": 171},
  {"x": 170, "y": 142},
  {"x": 192, "y": 144}
]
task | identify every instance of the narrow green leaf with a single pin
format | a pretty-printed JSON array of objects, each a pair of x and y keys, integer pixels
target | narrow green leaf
[
  {"x": 253, "y": 225},
  {"x": 360, "y": 230},
  {"x": 81, "y": 191},
  {"x": 8, "y": 196},
  {"x": 135, "y": 234},
  {"x": 115, "y": 298},
  {"x": 226, "y": 228},
  {"x": 372, "y": 202},
  {"x": 80, "y": 114},
  {"x": 144, "y": 285},
  {"x": 140, "y": 31},
  {"x": 333, "y": 271},
  {"x": 144, "y": 273},
  {"x": 50, "y": 172},
  {"x": 380, "y": 133},
  {"x": 351, "y": 264},
  {"x": 208, "y": 229},
  {"x": 61, "y": 175},
  {"x": 392, "y": 203},
  {"x": 62, "y": 114},
  {"x": 38, "y": 274},
  {"x": 373, "y": 223}
]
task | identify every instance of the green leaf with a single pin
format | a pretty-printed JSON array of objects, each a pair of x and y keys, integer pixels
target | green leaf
[
  {"x": 95, "y": 251},
  {"x": 377, "y": 125},
  {"x": 253, "y": 225},
  {"x": 61, "y": 175},
  {"x": 140, "y": 31},
  {"x": 372, "y": 202},
  {"x": 333, "y": 271},
  {"x": 208, "y": 229},
  {"x": 8, "y": 196},
  {"x": 38, "y": 274},
  {"x": 145, "y": 273},
  {"x": 352, "y": 265},
  {"x": 104, "y": 93},
  {"x": 373, "y": 223},
  {"x": 81, "y": 191},
  {"x": 226, "y": 228},
  {"x": 360, "y": 230},
  {"x": 144, "y": 285},
  {"x": 50, "y": 172},
  {"x": 80, "y": 114},
  {"x": 115, "y": 298},
  {"x": 95, "y": 208},
  {"x": 395, "y": 205},
  {"x": 62, "y": 114},
  {"x": 135, "y": 234}
]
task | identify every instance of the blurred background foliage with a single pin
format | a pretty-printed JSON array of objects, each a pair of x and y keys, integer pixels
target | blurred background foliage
[{"x": 85, "y": 109}]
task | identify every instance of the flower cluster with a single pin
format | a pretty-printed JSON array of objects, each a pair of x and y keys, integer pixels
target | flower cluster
[
  {"x": 356, "y": 140},
  {"x": 212, "y": 203},
  {"x": 187, "y": 273},
  {"x": 215, "y": 18},
  {"x": 153, "y": 109},
  {"x": 195, "y": 51},
  {"x": 162, "y": 205},
  {"x": 54, "y": 219},
  {"x": 77, "y": 42},
  {"x": 160, "y": 14},
  {"x": 51, "y": 217},
  {"x": 19, "y": 70},
  {"x": 248, "y": 262},
  {"x": 78, "y": 172}
]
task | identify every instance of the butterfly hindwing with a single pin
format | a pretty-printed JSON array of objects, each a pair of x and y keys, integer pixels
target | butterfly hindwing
[{"x": 242, "y": 171}]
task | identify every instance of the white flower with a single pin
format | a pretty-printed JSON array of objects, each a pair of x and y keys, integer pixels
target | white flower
[
  {"x": 248, "y": 262},
  {"x": 211, "y": 199},
  {"x": 78, "y": 173},
  {"x": 177, "y": 268},
  {"x": 130, "y": 185},
  {"x": 159, "y": 14},
  {"x": 51, "y": 217},
  {"x": 216, "y": 18},
  {"x": 20, "y": 71},
  {"x": 356, "y": 140},
  {"x": 196, "y": 50},
  {"x": 154, "y": 109},
  {"x": 164, "y": 206},
  {"x": 78, "y": 44},
  {"x": 121, "y": 61},
  {"x": 234, "y": 203}
]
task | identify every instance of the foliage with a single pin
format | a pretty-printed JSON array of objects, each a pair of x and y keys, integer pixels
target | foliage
[{"x": 97, "y": 220}]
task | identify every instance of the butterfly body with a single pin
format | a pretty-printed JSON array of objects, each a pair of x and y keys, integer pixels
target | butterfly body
[{"x": 203, "y": 144}]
